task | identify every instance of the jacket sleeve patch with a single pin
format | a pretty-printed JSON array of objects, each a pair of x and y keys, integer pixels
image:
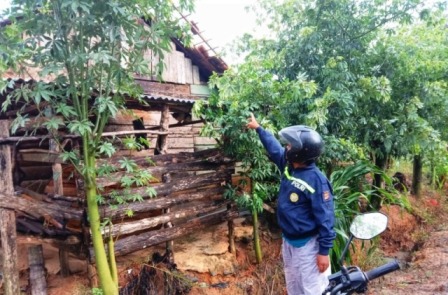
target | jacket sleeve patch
[{"x": 326, "y": 196}]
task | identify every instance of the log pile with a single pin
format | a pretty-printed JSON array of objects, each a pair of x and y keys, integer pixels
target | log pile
[{"x": 189, "y": 191}]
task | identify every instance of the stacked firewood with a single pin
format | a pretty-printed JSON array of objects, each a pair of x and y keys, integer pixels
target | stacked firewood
[{"x": 188, "y": 189}]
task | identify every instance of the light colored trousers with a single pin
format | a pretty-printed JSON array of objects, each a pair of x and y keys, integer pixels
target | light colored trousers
[{"x": 301, "y": 272}]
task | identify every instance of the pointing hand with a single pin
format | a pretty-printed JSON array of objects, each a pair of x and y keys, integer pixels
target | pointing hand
[{"x": 253, "y": 124}]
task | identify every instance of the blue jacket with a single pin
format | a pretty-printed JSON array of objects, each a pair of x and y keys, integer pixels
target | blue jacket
[{"x": 305, "y": 201}]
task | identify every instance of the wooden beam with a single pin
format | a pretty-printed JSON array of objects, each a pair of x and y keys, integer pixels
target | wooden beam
[
  {"x": 119, "y": 213},
  {"x": 40, "y": 209},
  {"x": 126, "y": 228},
  {"x": 151, "y": 238},
  {"x": 40, "y": 155},
  {"x": 181, "y": 184},
  {"x": 12, "y": 139}
]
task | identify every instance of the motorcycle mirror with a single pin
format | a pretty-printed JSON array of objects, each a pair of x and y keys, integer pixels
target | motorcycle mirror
[{"x": 368, "y": 225}]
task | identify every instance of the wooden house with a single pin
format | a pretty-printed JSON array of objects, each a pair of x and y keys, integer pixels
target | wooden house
[{"x": 41, "y": 195}]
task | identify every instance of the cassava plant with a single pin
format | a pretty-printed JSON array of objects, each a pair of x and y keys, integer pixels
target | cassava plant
[{"x": 89, "y": 52}]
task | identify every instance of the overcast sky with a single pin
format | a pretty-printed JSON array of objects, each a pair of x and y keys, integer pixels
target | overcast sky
[{"x": 222, "y": 21}]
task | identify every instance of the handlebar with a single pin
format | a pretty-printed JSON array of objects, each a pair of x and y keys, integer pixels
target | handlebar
[
  {"x": 382, "y": 270},
  {"x": 353, "y": 279}
]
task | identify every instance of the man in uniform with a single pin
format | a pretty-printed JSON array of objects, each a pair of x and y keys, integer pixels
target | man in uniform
[{"x": 305, "y": 209}]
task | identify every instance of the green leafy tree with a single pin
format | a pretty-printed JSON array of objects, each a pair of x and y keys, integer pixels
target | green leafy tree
[
  {"x": 90, "y": 51},
  {"x": 330, "y": 42},
  {"x": 415, "y": 60}
]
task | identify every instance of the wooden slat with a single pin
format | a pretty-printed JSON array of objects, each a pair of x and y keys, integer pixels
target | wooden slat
[
  {"x": 40, "y": 155},
  {"x": 204, "y": 141},
  {"x": 180, "y": 67},
  {"x": 126, "y": 117},
  {"x": 11, "y": 139},
  {"x": 180, "y": 142},
  {"x": 188, "y": 71},
  {"x": 196, "y": 77}
]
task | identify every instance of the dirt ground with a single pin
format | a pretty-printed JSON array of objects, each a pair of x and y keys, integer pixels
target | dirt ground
[{"x": 419, "y": 241}]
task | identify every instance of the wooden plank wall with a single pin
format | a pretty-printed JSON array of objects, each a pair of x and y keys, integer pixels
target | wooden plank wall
[
  {"x": 178, "y": 68},
  {"x": 180, "y": 139}
]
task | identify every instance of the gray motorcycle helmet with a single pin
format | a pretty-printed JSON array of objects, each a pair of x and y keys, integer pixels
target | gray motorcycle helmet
[{"x": 306, "y": 143}]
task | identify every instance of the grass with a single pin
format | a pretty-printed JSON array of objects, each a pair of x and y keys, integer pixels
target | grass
[
  {"x": 269, "y": 277},
  {"x": 367, "y": 254}
]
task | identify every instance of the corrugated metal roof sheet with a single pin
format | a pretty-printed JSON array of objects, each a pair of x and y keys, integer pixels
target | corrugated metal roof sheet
[
  {"x": 150, "y": 97},
  {"x": 18, "y": 79},
  {"x": 146, "y": 97}
]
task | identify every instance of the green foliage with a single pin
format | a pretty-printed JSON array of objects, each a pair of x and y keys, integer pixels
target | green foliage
[
  {"x": 132, "y": 144},
  {"x": 439, "y": 168},
  {"x": 382, "y": 106},
  {"x": 415, "y": 62}
]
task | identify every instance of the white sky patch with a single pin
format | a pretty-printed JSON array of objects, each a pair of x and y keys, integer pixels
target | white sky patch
[
  {"x": 3, "y": 5},
  {"x": 223, "y": 21}
]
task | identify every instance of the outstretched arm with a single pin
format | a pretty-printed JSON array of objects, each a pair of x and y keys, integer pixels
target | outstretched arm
[{"x": 270, "y": 143}]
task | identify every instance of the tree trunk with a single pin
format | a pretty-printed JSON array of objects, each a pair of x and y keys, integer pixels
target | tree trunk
[
  {"x": 104, "y": 268},
  {"x": 381, "y": 163},
  {"x": 257, "y": 246},
  {"x": 417, "y": 172},
  {"x": 231, "y": 227}
]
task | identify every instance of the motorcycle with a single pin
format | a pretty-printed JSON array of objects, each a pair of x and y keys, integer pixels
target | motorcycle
[{"x": 352, "y": 279}]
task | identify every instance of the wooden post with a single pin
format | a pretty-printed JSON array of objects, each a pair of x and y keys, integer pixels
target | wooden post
[
  {"x": 58, "y": 189},
  {"x": 37, "y": 270},
  {"x": 161, "y": 144},
  {"x": 92, "y": 274},
  {"x": 8, "y": 232},
  {"x": 231, "y": 227},
  {"x": 166, "y": 178}
]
